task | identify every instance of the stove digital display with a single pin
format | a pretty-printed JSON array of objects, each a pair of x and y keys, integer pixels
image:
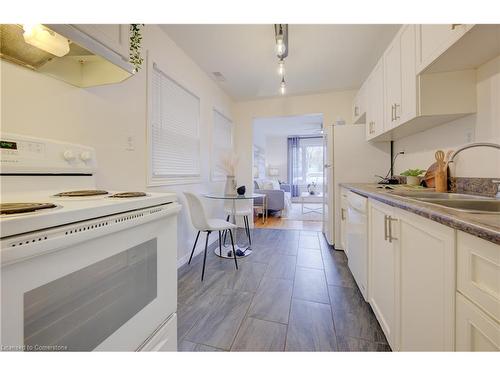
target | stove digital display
[{"x": 8, "y": 145}]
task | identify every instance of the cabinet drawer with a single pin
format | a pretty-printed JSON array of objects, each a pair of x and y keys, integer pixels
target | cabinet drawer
[
  {"x": 478, "y": 272},
  {"x": 475, "y": 331}
]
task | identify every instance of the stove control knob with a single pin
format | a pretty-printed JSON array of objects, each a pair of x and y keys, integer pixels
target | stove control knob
[
  {"x": 68, "y": 155},
  {"x": 85, "y": 156}
]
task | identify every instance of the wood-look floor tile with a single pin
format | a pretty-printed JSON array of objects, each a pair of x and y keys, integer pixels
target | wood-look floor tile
[
  {"x": 272, "y": 300},
  {"x": 310, "y": 285},
  {"x": 309, "y": 242},
  {"x": 354, "y": 317},
  {"x": 260, "y": 336},
  {"x": 310, "y": 327},
  {"x": 186, "y": 346},
  {"x": 247, "y": 277},
  {"x": 309, "y": 233},
  {"x": 281, "y": 267},
  {"x": 219, "y": 325},
  {"x": 309, "y": 258},
  {"x": 351, "y": 344},
  {"x": 337, "y": 272},
  {"x": 189, "y": 346}
]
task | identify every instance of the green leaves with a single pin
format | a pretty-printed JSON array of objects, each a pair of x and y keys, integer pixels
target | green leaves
[
  {"x": 135, "y": 57},
  {"x": 413, "y": 172}
]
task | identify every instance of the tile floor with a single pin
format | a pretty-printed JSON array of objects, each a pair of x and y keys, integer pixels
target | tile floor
[{"x": 294, "y": 293}]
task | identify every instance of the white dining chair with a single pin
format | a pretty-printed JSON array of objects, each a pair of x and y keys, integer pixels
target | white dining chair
[
  {"x": 242, "y": 209},
  {"x": 202, "y": 224}
]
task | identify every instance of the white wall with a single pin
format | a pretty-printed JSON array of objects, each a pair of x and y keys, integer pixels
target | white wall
[
  {"x": 484, "y": 126},
  {"x": 277, "y": 155},
  {"x": 106, "y": 117},
  {"x": 332, "y": 105}
]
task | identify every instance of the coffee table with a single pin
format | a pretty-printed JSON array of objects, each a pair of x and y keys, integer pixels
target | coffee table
[{"x": 306, "y": 198}]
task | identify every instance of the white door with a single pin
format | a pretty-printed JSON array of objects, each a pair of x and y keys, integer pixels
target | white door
[
  {"x": 427, "y": 283},
  {"x": 382, "y": 270},
  {"x": 392, "y": 75},
  {"x": 408, "y": 109}
]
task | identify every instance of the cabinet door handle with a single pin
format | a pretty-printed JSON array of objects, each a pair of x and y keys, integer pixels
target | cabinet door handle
[
  {"x": 455, "y": 25},
  {"x": 385, "y": 228},
  {"x": 392, "y": 112},
  {"x": 356, "y": 111},
  {"x": 390, "y": 219},
  {"x": 396, "y": 117},
  {"x": 342, "y": 213}
]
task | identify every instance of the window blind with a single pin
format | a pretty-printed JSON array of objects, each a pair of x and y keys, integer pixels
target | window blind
[
  {"x": 175, "y": 142},
  {"x": 222, "y": 143}
]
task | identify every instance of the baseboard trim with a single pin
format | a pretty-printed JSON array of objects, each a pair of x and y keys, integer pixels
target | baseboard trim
[{"x": 212, "y": 243}]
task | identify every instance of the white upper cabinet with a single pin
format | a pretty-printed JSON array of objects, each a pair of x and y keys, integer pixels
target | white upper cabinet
[
  {"x": 114, "y": 36},
  {"x": 413, "y": 102},
  {"x": 408, "y": 108},
  {"x": 392, "y": 81},
  {"x": 374, "y": 99},
  {"x": 433, "y": 40},
  {"x": 359, "y": 106}
]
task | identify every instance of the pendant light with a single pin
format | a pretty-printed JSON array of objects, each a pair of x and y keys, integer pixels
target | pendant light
[{"x": 283, "y": 86}]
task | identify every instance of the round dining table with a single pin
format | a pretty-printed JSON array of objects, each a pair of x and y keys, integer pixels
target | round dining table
[{"x": 245, "y": 249}]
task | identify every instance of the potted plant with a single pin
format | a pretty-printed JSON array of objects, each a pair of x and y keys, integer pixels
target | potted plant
[{"x": 412, "y": 176}]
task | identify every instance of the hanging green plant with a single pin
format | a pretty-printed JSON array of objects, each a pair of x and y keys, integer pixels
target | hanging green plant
[{"x": 135, "y": 57}]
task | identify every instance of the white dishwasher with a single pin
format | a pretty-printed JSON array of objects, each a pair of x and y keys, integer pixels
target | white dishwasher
[{"x": 357, "y": 239}]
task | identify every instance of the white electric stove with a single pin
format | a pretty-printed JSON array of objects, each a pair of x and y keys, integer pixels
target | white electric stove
[{"x": 82, "y": 268}]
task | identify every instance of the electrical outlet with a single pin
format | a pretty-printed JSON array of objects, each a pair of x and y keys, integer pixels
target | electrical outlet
[
  {"x": 130, "y": 144},
  {"x": 469, "y": 136}
]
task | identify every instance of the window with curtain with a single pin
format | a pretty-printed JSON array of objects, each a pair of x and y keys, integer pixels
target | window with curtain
[
  {"x": 222, "y": 144},
  {"x": 305, "y": 163},
  {"x": 174, "y": 131}
]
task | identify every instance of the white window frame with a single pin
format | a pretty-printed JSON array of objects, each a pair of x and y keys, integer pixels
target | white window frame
[
  {"x": 214, "y": 176},
  {"x": 166, "y": 180}
]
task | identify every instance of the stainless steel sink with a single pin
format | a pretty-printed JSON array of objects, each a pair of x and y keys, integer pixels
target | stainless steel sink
[
  {"x": 483, "y": 205},
  {"x": 433, "y": 195}
]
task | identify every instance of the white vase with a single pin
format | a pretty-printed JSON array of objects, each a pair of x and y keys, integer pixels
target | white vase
[
  {"x": 412, "y": 180},
  {"x": 230, "y": 188}
]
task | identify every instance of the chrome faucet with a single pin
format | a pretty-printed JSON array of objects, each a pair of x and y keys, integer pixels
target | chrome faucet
[
  {"x": 479, "y": 144},
  {"x": 471, "y": 145}
]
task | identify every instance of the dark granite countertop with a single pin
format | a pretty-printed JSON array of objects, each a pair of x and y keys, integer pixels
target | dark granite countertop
[{"x": 485, "y": 226}]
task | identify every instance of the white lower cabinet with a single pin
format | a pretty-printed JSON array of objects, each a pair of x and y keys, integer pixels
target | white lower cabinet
[
  {"x": 476, "y": 331},
  {"x": 426, "y": 282},
  {"x": 382, "y": 270},
  {"x": 343, "y": 221},
  {"x": 412, "y": 279}
]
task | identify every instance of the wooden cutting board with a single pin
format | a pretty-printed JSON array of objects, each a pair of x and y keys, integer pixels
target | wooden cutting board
[{"x": 429, "y": 176}]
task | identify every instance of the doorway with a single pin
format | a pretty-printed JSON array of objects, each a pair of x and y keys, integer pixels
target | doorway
[{"x": 288, "y": 168}]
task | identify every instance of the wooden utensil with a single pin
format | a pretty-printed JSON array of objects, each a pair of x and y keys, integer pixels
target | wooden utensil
[{"x": 441, "y": 178}]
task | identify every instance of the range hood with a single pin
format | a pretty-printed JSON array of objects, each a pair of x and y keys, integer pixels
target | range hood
[{"x": 84, "y": 62}]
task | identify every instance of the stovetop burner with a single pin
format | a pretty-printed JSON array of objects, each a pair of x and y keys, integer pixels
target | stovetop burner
[
  {"x": 129, "y": 194},
  {"x": 18, "y": 208},
  {"x": 81, "y": 193}
]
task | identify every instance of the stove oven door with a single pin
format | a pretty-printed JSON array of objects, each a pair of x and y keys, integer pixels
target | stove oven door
[{"x": 111, "y": 292}]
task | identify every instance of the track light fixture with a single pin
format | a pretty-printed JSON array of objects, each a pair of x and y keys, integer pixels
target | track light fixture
[{"x": 281, "y": 38}]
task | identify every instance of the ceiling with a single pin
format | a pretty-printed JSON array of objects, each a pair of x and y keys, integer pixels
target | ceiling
[
  {"x": 310, "y": 124},
  {"x": 321, "y": 57}
]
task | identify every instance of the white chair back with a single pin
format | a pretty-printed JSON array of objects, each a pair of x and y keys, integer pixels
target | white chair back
[{"x": 196, "y": 211}]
